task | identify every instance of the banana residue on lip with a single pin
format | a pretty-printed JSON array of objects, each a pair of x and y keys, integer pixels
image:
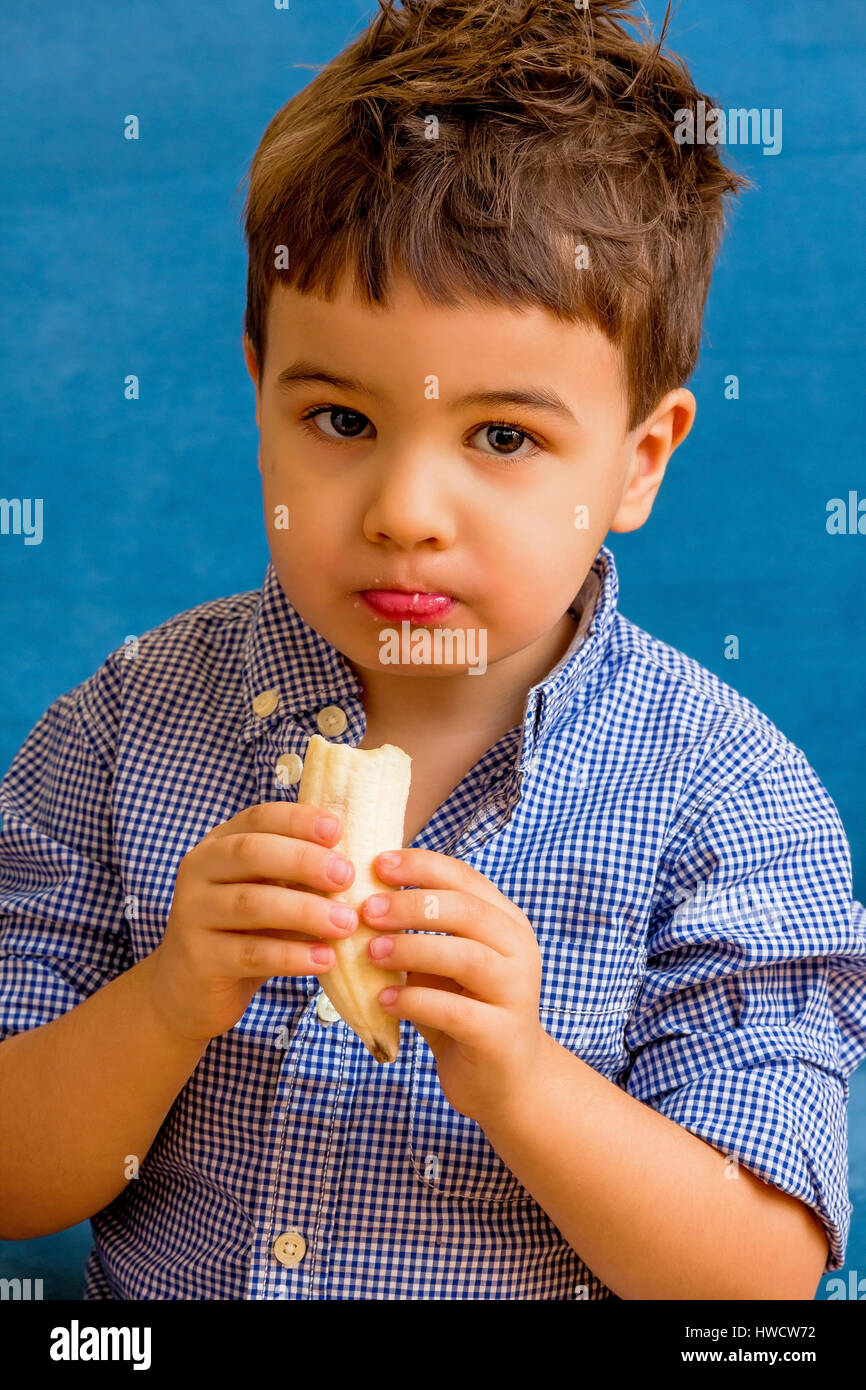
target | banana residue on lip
[{"x": 414, "y": 597}]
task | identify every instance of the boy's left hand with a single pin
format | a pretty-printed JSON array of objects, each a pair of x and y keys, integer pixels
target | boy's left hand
[{"x": 472, "y": 993}]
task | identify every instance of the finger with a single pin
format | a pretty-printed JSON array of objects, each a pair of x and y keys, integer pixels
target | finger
[
  {"x": 297, "y": 819},
  {"x": 259, "y": 856},
  {"x": 265, "y": 907},
  {"x": 242, "y": 955},
  {"x": 461, "y": 914},
  {"x": 469, "y": 964},
  {"x": 427, "y": 868},
  {"x": 469, "y": 1021}
]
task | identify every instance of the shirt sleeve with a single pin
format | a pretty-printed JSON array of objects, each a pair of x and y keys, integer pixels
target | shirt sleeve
[
  {"x": 752, "y": 1012},
  {"x": 63, "y": 933}
]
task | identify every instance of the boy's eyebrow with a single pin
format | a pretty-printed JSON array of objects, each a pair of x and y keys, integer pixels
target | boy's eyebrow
[{"x": 303, "y": 373}]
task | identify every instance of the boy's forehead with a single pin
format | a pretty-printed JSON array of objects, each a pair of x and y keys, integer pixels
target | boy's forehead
[{"x": 493, "y": 341}]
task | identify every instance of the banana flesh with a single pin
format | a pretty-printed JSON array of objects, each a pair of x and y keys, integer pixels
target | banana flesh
[{"x": 368, "y": 788}]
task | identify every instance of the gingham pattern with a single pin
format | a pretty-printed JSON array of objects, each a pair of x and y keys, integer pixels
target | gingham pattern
[{"x": 685, "y": 872}]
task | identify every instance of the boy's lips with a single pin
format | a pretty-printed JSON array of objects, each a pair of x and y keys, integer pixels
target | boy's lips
[{"x": 395, "y": 603}]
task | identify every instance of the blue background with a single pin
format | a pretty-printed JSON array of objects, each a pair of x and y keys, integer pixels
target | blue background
[{"x": 127, "y": 257}]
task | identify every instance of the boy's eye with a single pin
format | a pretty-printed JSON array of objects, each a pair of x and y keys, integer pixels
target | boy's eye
[
  {"x": 350, "y": 424},
  {"x": 506, "y": 438},
  {"x": 345, "y": 429}
]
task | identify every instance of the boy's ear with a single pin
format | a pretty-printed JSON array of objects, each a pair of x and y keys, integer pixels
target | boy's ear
[
  {"x": 253, "y": 369},
  {"x": 650, "y": 446}
]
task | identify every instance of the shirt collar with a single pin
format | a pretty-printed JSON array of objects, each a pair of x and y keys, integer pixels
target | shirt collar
[
  {"x": 292, "y": 664},
  {"x": 595, "y": 603}
]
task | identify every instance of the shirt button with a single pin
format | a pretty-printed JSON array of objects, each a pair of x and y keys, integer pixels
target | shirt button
[
  {"x": 290, "y": 1248},
  {"x": 325, "y": 1009},
  {"x": 265, "y": 703},
  {"x": 288, "y": 768},
  {"x": 331, "y": 720}
]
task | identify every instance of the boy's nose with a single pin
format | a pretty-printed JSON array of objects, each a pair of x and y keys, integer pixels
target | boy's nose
[{"x": 409, "y": 507}]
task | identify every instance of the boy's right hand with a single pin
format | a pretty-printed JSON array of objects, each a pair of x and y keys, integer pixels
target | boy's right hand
[{"x": 233, "y": 924}]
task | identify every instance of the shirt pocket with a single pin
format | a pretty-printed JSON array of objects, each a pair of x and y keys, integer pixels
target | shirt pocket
[{"x": 450, "y": 1154}]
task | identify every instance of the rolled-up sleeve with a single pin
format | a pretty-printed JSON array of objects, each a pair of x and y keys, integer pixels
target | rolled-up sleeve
[
  {"x": 752, "y": 1012},
  {"x": 63, "y": 933}
]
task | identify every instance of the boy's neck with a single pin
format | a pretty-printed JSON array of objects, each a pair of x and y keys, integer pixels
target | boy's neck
[{"x": 484, "y": 705}]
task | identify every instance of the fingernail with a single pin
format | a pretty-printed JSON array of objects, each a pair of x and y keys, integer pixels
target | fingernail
[
  {"x": 389, "y": 861},
  {"x": 376, "y": 906},
  {"x": 321, "y": 954},
  {"x": 343, "y": 916},
  {"x": 339, "y": 870},
  {"x": 325, "y": 826},
  {"x": 381, "y": 946},
  {"x": 387, "y": 996}
]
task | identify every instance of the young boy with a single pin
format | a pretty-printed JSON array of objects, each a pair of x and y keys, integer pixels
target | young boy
[{"x": 478, "y": 261}]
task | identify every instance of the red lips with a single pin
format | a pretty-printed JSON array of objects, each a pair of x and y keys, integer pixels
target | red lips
[{"x": 394, "y": 603}]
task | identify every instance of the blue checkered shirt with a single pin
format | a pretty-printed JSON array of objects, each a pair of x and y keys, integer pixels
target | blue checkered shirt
[{"x": 685, "y": 872}]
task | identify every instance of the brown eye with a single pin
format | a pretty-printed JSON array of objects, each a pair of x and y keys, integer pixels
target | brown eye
[
  {"x": 506, "y": 440},
  {"x": 347, "y": 423}
]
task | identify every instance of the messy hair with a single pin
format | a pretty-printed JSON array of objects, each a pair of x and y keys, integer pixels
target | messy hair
[{"x": 476, "y": 146}]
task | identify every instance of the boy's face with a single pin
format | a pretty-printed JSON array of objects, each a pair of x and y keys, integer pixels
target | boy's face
[{"x": 397, "y": 483}]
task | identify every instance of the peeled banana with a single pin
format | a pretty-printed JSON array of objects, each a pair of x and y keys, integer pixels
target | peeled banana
[{"x": 368, "y": 788}]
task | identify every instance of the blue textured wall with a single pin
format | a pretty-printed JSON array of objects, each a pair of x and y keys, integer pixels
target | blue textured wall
[{"x": 127, "y": 257}]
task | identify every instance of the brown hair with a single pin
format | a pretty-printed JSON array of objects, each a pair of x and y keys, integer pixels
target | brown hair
[{"x": 554, "y": 128}]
